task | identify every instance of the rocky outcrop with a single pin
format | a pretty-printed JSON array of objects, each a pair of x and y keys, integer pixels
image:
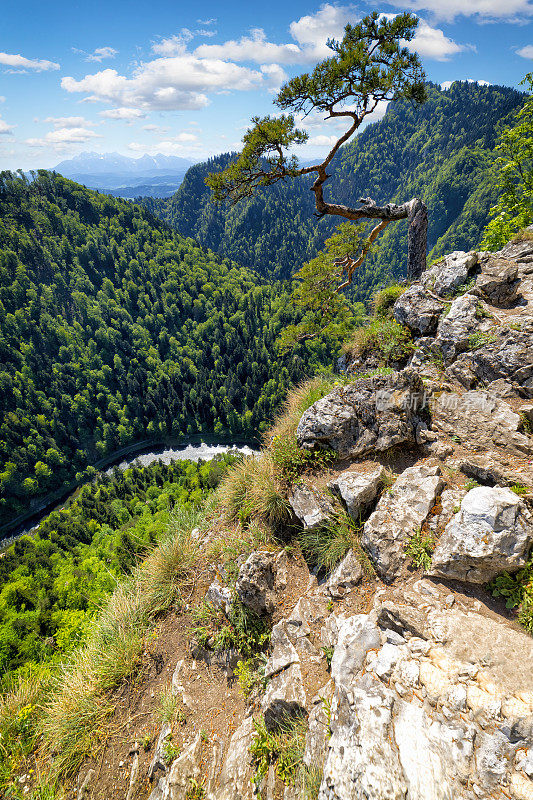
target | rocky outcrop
[
  {"x": 418, "y": 310},
  {"x": 457, "y": 326},
  {"x": 426, "y": 717},
  {"x": 450, "y": 273},
  {"x": 235, "y": 781},
  {"x": 492, "y": 533},
  {"x": 256, "y": 583},
  {"x": 480, "y": 419},
  {"x": 184, "y": 769},
  {"x": 358, "y": 489},
  {"x": 371, "y": 414},
  {"x": 345, "y": 576},
  {"x": 498, "y": 282},
  {"x": 401, "y": 511},
  {"x": 311, "y": 507}
]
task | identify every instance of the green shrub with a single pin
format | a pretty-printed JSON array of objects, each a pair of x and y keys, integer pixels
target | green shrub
[
  {"x": 384, "y": 338},
  {"x": 419, "y": 548},
  {"x": 242, "y": 629},
  {"x": 384, "y": 300},
  {"x": 251, "y": 676},
  {"x": 283, "y": 747}
]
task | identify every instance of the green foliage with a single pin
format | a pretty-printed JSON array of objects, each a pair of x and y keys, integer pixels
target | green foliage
[
  {"x": 170, "y": 751},
  {"x": 328, "y": 653},
  {"x": 513, "y": 171},
  {"x": 419, "y": 547},
  {"x": 53, "y": 583},
  {"x": 517, "y": 590},
  {"x": 241, "y": 629},
  {"x": 283, "y": 747},
  {"x": 291, "y": 461},
  {"x": 324, "y": 309},
  {"x": 384, "y": 300},
  {"x": 166, "y": 707},
  {"x": 385, "y": 339},
  {"x": 251, "y": 676},
  {"x": 129, "y": 333},
  {"x": 519, "y": 489},
  {"x": 326, "y": 545},
  {"x": 195, "y": 790},
  {"x": 477, "y": 340}
]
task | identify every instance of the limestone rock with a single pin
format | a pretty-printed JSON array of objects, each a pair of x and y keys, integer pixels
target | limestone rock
[
  {"x": 183, "y": 769},
  {"x": 158, "y": 762},
  {"x": 283, "y": 652},
  {"x": 311, "y": 507},
  {"x": 491, "y": 534},
  {"x": 357, "y": 635},
  {"x": 455, "y": 329},
  {"x": 219, "y": 596},
  {"x": 416, "y": 309},
  {"x": 508, "y": 357},
  {"x": 285, "y": 695},
  {"x": 256, "y": 583},
  {"x": 481, "y": 420},
  {"x": 450, "y": 272},
  {"x": 370, "y": 414},
  {"x": 400, "y": 512},
  {"x": 497, "y": 283},
  {"x": 235, "y": 782},
  {"x": 358, "y": 489},
  {"x": 345, "y": 576}
]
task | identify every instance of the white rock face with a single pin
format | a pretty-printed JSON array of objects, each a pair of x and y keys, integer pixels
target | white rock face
[
  {"x": 236, "y": 777},
  {"x": 311, "y": 507},
  {"x": 399, "y": 513},
  {"x": 357, "y": 489},
  {"x": 345, "y": 576},
  {"x": 429, "y": 719},
  {"x": 450, "y": 272},
  {"x": 457, "y": 326},
  {"x": 491, "y": 533}
]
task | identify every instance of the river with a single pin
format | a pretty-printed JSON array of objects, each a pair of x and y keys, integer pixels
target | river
[{"x": 186, "y": 452}]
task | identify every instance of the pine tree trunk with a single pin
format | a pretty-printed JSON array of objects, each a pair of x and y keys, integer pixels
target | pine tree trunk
[{"x": 417, "y": 238}]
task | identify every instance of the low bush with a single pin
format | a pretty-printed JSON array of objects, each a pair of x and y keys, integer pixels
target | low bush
[
  {"x": 241, "y": 629},
  {"x": 251, "y": 491},
  {"x": 325, "y": 546},
  {"x": 517, "y": 590},
  {"x": 384, "y": 300},
  {"x": 385, "y": 339},
  {"x": 419, "y": 547}
]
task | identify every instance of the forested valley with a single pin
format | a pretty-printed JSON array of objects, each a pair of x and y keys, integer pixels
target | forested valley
[{"x": 432, "y": 151}]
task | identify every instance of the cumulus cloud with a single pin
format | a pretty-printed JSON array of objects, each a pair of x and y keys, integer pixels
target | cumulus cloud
[
  {"x": 63, "y": 137},
  {"x": 484, "y": 10},
  {"x": 253, "y": 47},
  {"x": 180, "y": 82},
  {"x": 69, "y": 122},
  {"x": 312, "y": 31},
  {"x": 432, "y": 43},
  {"x": 183, "y": 142},
  {"x": 446, "y": 84},
  {"x": 526, "y": 52},
  {"x": 19, "y": 62},
  {"x": 5, "y": 128},
  {"x": 101, "y": 53},
  {"x": 123, "y": 113}
]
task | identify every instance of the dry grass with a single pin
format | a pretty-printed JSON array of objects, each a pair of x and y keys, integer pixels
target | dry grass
[
  {"x": 74, "y": 717},
  {"x": 298, "y": 400},
  {"x": 250, "y": 490}
]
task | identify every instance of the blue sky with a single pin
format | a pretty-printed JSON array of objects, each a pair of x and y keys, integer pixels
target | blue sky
[{"x": 185, "y": 78}]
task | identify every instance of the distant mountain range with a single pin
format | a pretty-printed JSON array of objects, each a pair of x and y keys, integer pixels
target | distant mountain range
[{"x": 122, "y": 176}]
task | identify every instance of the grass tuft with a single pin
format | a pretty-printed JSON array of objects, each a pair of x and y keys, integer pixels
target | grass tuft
[
  {"x": 385, "y": 339},
  {"x": 383, "y": 301}
]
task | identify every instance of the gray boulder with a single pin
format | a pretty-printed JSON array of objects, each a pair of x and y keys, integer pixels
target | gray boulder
[
  {"x": 256, "y": 583},
  {"x": 455, "y": 329},
  {"x": 358, "y": 489},
  {"x": 285, "y": 696},
  {"x": 345, "y": 576},
  {"x": 508, "y": 357},
  {"x": 481, "y": 420},
  {"x": 400, "y": 512},
  {"x": 370, "y": 414},
  {"x": 235, "y": 781},
  {"x": 418, "y": 310},
  {"x": 498, "y": 282},
  {"x": 312, "y": 508},
  {"x": 450, "y": 272},
  {"x": 492, "y": 533}
]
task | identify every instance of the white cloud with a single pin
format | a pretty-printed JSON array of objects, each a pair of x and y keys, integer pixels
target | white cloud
[
  {"x": 446, "y": 84},
  {"x": 21, "y": 63},
  {"x": 2, "y": 98},
  {"x": 173, "y": 45},
  {"x": 69, "y": 122},
  {"x": 253, "y": 47},
  {"x": 526, "y": 52},
  {"x": 151, "y": 128},
  {"x": 183, "y": 142},
  {"x": 211, "y": 21},
  {"x": 123, "y": 113},
  {"x": 180, "y": 82},
  {"x": 432, "y": 43},
  {"x": 102, "y": 53},
  {"x": 61, "y": 137},
  {"x": 312, "y": 30},
  {"x": 5, "y": 128},
  {"x": 484, "y": 10},
  {"x": 274, "y": 75},
  {"x": 322, "y": 140}
]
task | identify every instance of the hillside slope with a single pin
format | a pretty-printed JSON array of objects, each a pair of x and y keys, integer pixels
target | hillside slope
[
  {"x": 116, "y": 329},
  {"x": 440, "y": 151}
]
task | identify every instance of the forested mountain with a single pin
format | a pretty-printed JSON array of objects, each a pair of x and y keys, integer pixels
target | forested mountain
[
  {"x": 439, "y": 151},
  {"x": 114, "y": 328}
]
